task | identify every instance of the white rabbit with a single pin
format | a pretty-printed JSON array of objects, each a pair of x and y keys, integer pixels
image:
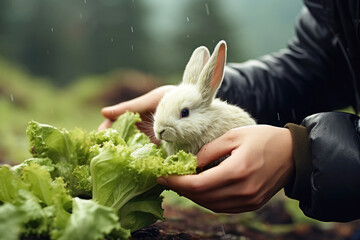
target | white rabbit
[{"x": 190, "y": 116}]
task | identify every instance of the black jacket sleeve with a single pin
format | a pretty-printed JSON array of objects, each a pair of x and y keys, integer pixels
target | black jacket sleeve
[
  {"x": 331, "y": 192},
  {"x": 305, "y": 78}
]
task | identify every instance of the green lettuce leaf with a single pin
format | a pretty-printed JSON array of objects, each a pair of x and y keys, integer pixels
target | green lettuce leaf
[
  {"x": 142, "y": 210},
  {"x": 44, "y": 188},
  {"x": 82, "y": 178},
  {"x": 11, "y": 222},
  {"x": 48, "y": 141},
  {"x": 115, "y": 180},
  {"x": 92, "y": 221},
  {"x": 127, "y": 130},
  {"x": 45, "y": 163},
  {"x": 126, "y": 180},
  {"x": 10, "y": 183}
]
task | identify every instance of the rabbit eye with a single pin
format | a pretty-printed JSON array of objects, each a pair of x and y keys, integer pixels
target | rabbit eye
[{"x": 184, "y": 112}]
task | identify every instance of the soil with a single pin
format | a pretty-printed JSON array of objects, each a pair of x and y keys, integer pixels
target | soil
[{"x": 276, "y": 224}]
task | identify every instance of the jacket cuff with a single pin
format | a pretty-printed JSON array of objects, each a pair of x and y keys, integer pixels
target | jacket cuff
[{"x": 299, "y": 186}]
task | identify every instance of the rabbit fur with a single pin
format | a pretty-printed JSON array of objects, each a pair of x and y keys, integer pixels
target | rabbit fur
[{"x": 208, "y": 117}]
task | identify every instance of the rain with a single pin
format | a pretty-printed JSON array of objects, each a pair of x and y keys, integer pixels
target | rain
[{"x": 62, "y": 64}]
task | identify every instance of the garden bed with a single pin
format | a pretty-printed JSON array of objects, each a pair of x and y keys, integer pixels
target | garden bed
[{"x": 195, "y": 224}]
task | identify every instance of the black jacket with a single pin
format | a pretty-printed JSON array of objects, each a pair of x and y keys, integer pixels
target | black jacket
[{"x": 318, "y": 72}]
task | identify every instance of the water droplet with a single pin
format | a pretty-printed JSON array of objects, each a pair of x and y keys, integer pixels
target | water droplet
[
  {"x": 293, "y": 114},
  {"x": 132, "y": 29},
  {"x": 112, "y": 40},
  {"x": 12, "y": 97},
  {"x": 278, "y": 116},
  {"x": 223, "y": 232},
  {"x": 81, "y": 16},
  {"x": 52, "y": 29},
  {"x": 188, "y": 36},
  {"x": 132, "y": 47},
  {"x": 188, "y": 19},
  {"x": 207, "y": 9}
]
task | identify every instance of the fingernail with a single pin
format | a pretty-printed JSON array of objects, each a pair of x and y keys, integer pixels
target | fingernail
[{"x": 162, "y": 181}]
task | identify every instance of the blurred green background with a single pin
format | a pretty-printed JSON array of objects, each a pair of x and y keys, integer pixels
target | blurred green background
[{"x": 61, "y": 61}]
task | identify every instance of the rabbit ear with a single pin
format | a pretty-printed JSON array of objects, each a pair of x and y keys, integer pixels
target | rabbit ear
[
  {"x": 213, "y": 72},
  {"x": 197, "y": 61}
]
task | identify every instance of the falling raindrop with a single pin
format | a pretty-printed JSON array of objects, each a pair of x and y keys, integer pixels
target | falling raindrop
[
  {"x": 81, "y": 16},
  {"x": 112, "y": 40},
  {"x": 223, "y": 232},
  {"x": 278, "y": 116},
  {"x": 293, "y": 114},
  {"x": 132, "y": 29},
  {"x": 207, "y": 9},
  {"x": 12, "y": 97},
  {"x": 47, "y": 52},
  {"x": 85, "y": 1},
  {"x": 188, "y": 36},
  {"x": 132, "y": 47},
  {"x": 52, "y": 29},
  {"x": 188, "y": 19},
  {"x": 133, "y": 1}
]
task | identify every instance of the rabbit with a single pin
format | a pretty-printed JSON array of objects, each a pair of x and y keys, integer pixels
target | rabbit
[{"x": 189, "y": 116}]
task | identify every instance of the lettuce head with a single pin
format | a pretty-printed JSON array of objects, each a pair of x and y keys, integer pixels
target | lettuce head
[{"x": 86, "y": 185}]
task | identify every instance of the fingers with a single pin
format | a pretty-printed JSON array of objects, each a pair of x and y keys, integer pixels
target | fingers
[
  {"x": 203, "y": 182},
  {"x": 145, "y": 103},
  {"x": 113, "y": 112},
  {"x": 105, "y": 124}
]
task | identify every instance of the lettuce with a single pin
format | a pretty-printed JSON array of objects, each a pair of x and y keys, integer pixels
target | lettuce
[
  {"x": 90, "y": 220},
  {"x": 86, "y": 185}
]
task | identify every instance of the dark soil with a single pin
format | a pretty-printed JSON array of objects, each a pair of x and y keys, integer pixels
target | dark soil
[{"x": 276, "y": 224}]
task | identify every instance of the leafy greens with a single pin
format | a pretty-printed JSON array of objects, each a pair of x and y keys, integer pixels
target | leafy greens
[{"x": 81, "y": 185}]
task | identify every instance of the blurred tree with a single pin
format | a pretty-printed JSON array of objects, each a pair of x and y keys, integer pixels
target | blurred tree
[
  {"x": 66, "y": 39},
  {"x": 205, "y": 24}
]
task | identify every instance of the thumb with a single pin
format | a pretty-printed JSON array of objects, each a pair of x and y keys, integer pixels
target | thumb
[{"x": 214, "y": 151}]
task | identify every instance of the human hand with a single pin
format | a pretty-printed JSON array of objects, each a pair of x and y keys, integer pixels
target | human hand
[
  {"x": 145, "y": 105},
  {"x": 260, "y": 165}
]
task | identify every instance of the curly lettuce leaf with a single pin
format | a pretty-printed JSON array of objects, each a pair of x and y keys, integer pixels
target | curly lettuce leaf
[
  {"x": 82, "y": 177},
  {"x": 125, "y": 126},
  {"x": 12, "y": 221},
  {"x": 10, "y": 183},
  {"x": 48, "y": 141},
  {"x": 44, "y": 188}
]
